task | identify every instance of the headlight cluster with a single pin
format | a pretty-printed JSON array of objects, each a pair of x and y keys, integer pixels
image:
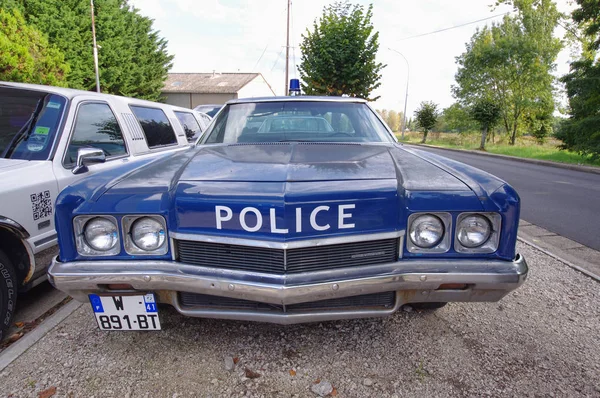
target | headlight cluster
[
  {"x": 99, "y": 235},
  {"x": 474, "y": 233},
  {"x": 427, "y": 231},
  {"x": 145, "y": 235}
]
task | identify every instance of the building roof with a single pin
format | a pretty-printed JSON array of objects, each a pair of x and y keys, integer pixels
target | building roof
[{"x": 207, "y": 83}]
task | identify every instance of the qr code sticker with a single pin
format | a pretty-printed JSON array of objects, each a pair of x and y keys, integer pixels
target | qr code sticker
[{"x": 41, "y": 205}]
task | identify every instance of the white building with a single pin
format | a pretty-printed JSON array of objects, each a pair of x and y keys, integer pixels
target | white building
[{"x": 193, "y": 89}]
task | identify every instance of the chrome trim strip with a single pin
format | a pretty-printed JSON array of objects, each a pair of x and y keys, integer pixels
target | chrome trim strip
[
  {"x": 83, "y": 277},
  {"x": 45, "y": 240},
  {"x": 286, "y": 245}
]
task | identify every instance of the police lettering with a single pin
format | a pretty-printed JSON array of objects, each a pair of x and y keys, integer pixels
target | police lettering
[{"x": 252, "y": 220}]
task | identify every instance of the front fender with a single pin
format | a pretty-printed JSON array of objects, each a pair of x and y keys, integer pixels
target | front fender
[{"x": 14, "y": 227}]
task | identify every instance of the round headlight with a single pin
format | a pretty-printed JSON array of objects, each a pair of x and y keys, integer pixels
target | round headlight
[
  {"x": 101, "y": 234},
  {"x": 148, "y": 234},
  {"x": 426, "y": 231},
  {"x": 473, "y": 231}
]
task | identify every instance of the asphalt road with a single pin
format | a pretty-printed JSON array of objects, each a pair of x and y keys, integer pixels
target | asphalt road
[{"x": 566, "y": 202}]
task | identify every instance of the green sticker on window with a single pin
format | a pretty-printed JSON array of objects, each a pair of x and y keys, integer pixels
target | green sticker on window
[
  {"x": 41, "y": 130},
  {"x": 54, "y": 105}
]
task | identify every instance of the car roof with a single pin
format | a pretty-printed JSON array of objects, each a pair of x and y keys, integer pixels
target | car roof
[
  {"x": 71, "y": 93},
  {"x": 301, "y": 98}
]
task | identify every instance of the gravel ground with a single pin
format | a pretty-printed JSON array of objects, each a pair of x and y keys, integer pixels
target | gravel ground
[{"x": 542, "y": 340}]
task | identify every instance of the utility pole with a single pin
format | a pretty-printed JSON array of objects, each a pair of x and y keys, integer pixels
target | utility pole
[
  {"x": 406, "y": 96},
  {"x": 95, "y": 47},
  {"x": 287, "y": 49}
]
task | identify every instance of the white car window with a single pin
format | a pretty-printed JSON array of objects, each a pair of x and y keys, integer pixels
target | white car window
[{"x": 97, "y": 127}]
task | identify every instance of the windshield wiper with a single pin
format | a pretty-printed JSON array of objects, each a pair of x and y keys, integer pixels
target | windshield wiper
[
  {"x": 24, "y": 131},
  {"x": 294, "y": 141}
]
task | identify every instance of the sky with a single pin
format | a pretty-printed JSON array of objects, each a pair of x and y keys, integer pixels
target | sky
[{"x": 249, "y": 36}]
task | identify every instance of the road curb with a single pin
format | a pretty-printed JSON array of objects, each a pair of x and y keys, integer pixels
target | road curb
[
  {"x": 17, "y": 349},
  {"x": 560, "y": 258},
  {"x": 586, "y": 169}
]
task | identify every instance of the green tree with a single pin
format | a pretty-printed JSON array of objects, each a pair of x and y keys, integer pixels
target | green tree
[
  {"x": 383, "y": 113},
  {"x": 458, "y": 118},
  {"x": 426, "y": 116},
  {"x": 133, "y": 59},
  {"x": 511, "y": 63},
  {"x": 581, "y": 131},
  {"x": 25, "y": 55},
  {"x": 393, "y": 120},
  {"x": 487, "y": 114},
  {"x": 338, "y": 55}
]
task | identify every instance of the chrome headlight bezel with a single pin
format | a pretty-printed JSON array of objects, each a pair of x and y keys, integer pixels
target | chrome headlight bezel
[
  {"x": 83, "y": 248},
  {"x": 130, "y": 247},
  {"x": 443, "y": 246},
  {"x": 491, "y": 244}
]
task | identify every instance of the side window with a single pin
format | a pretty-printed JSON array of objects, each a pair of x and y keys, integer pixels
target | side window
[
  {"x": 190, "y": 125},
  {"x": 156, "y": 126},
  {"x": 206, "y": 119},
  {"x": 96, "y": 127}
]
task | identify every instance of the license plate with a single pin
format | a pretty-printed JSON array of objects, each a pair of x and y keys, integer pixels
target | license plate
[{"x": 126, "y": 312}]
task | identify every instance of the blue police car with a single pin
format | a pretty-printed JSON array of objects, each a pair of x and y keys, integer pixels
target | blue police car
[{"x": 288, "y": 210}]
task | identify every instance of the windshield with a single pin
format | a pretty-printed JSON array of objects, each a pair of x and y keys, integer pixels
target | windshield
[
  {"x": 28, "y": 123},
  {"x": 284, "y": 121}
]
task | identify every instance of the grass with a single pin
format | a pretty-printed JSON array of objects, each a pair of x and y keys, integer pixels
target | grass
[{"x": 525, "y": 147}]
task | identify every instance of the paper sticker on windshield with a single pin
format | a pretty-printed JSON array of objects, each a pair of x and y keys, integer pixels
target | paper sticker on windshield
[
  {"x": 39, "y": 130},
  {"x": 54, "y": 105}
]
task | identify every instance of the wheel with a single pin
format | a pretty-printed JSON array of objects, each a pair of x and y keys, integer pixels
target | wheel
[
  {"x": 427, "y": 306},
  {"x": 8, "y": 293}
]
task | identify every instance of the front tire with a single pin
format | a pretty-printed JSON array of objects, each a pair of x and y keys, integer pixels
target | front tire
[{"x": 8, "y": 293}]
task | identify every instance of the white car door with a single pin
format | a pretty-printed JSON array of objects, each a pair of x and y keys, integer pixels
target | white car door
[{"x": 94, "y": 125}]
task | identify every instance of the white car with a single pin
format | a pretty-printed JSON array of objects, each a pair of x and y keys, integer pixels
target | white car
[
  {"x": 194, "y": 123},
  {"x": 50, "y": 138}
]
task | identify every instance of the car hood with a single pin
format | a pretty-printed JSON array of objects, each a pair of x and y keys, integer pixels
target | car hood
[
  {"x": 294, "y": 162},
  {"x": 284, "y": 192},
  {"x": 17, "y": 173},
  {"x": 11, "y": 164}
]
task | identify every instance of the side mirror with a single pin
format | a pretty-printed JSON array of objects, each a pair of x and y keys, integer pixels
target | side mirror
[{"x": 87, "y": 156}]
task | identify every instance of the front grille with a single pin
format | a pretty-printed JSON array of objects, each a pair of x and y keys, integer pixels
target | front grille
[
  {"x": 237, "y": 257},
  {"x": 290, "y": 261},
  {"x": 374, "y": 301}
]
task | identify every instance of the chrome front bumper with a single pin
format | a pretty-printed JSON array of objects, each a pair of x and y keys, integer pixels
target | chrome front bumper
[{"x": 413, "y": 280}]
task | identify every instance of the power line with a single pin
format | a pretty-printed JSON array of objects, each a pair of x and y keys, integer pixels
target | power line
[
  {"x": 261, "y": 56},
  {"x": 278, "y": 56},
  {"x": 454, "y": 27},
  {"x": 265, "y": 50}
]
